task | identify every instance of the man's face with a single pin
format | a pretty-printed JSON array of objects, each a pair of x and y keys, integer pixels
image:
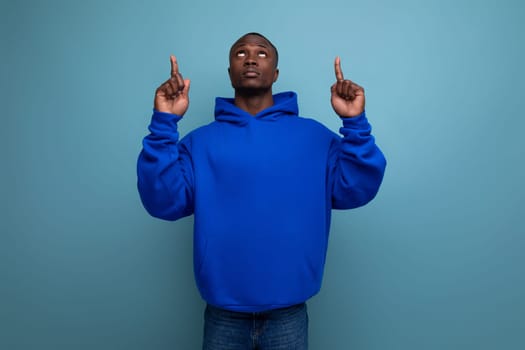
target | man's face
[{"x": 252, "y": 64}]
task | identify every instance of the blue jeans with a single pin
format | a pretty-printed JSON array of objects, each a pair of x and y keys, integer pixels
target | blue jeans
[{"x": 279, "y": 329}]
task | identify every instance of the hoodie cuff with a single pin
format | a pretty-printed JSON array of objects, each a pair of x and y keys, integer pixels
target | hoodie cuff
[
  {"x": 158, "y": 114},
  {"x": 164, "y": 116},
  {"x": 353, "y": 122}
]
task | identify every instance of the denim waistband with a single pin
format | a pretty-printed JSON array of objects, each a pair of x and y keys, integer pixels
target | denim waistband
[{"x": 267, "y": 313}]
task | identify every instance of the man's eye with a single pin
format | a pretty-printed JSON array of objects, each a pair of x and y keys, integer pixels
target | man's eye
[
  {"x": 241, "y": 54},
  {"x": 262, "y": 54}
]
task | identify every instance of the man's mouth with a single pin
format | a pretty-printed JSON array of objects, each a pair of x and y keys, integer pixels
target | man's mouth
[{"x": 250, "y": 73}]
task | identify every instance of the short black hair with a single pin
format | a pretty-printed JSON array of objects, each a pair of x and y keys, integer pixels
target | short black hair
[{"x": 269, "y": 42}]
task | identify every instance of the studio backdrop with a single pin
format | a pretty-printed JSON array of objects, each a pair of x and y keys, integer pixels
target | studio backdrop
[{"x": 434, "y": 262}]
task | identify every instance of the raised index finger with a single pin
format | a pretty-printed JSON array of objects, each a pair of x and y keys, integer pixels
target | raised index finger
[
  {"x": 174, "y": 66},
  {"x": 338, "y": 71}
]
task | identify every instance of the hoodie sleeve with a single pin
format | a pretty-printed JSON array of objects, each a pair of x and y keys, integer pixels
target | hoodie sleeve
[
  {"x": 165, "y": 171},
  {"x": 356, "y": 165}
]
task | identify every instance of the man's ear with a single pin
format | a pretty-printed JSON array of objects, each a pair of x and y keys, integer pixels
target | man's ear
[{"x": 275, "y": 75}]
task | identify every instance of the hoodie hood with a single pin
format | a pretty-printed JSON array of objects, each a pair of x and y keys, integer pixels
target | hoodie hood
[{"x": 284, "y": 104}]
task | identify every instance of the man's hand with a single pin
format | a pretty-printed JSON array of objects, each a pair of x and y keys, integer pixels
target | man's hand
[
  {"x": 172, "y": 95},
  {"x": 348, "y": 98}
]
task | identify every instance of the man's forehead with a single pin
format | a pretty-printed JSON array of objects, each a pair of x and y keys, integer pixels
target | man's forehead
[
  {"x": 252, "y": 39},
  {"x": 258, "y": 40}
]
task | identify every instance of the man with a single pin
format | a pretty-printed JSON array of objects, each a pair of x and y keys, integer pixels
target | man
[{"x": 261, "y": 182}]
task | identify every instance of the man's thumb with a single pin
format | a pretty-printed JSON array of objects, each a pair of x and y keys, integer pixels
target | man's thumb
[{"x": 186, "y": 86}]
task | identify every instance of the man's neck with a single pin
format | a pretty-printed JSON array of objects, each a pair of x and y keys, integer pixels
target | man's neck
[{"x": 253, "y": 103}]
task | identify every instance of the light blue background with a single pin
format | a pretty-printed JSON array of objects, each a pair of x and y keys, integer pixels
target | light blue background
[{"x": 435, "y": 262}]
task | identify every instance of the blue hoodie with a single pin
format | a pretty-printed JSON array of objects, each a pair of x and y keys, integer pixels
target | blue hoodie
[{"x": 261, "y": 188}]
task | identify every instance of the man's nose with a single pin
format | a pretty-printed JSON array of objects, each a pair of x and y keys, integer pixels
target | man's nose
[{"x": 250, "y": 60}]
